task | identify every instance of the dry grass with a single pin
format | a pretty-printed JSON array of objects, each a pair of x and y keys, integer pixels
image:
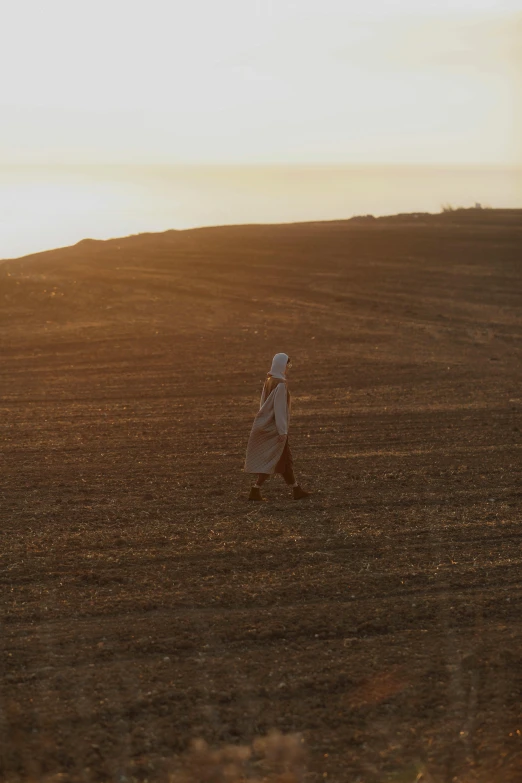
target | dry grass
[{"x": 276, "y": 758}]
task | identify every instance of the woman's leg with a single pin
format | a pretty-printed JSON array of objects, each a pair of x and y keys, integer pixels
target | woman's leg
[
  {"x": 255, "y": 489},
  {"x": 289, "y": 477},
  {"x": 285, "y": 466}
]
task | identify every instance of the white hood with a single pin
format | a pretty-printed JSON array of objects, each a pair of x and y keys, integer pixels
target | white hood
[{"x": 278, "y": 368}]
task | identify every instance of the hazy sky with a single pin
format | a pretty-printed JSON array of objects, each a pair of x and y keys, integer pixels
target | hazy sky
[{"x": 182, "y": 81}]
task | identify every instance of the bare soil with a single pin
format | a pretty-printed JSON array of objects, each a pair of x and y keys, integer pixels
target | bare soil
[{"x": 146, "y": 603}]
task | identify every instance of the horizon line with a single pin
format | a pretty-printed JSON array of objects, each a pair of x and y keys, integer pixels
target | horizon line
[
  {"x": 366, "y": 219},
  {"x": 267, "y": 164}
]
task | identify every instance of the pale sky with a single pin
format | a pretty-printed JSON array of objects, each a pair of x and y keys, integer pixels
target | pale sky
[{"x": 261, "y": 81}]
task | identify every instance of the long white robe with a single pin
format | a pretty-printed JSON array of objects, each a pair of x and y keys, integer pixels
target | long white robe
[{"x": 269, "y": 432}]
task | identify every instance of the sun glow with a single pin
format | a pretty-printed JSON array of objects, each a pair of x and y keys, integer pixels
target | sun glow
[
  {"x": 35, "y": 215},
  {"x": 255, "y": 82}
]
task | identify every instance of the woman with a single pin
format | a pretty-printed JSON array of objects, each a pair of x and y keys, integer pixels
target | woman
[{"x": 268, "y": 451}]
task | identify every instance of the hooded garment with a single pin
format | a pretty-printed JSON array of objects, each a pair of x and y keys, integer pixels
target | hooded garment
[
  {"x": 268, "y": 436},
  {"x": 278, "y": 367}
]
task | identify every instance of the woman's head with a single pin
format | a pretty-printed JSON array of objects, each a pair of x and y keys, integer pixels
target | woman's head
[{"x": 280, "y": 364}]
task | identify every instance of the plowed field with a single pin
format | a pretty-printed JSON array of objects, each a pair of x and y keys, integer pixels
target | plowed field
[{"x": 146, "y": 603}]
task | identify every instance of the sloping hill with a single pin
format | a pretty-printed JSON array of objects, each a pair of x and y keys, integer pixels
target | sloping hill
[{"x": 146, "y": 603}]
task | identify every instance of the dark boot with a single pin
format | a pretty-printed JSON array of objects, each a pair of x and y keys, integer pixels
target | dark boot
[
  {"x": 300, "y": 493},
  {"x": 255, "y": 494}
]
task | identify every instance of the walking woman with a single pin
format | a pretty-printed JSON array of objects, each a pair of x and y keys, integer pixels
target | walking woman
[{"x": 268, "y": 450}]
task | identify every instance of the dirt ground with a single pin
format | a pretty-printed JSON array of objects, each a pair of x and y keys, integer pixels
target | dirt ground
[{"x": 145, "y": 603}]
